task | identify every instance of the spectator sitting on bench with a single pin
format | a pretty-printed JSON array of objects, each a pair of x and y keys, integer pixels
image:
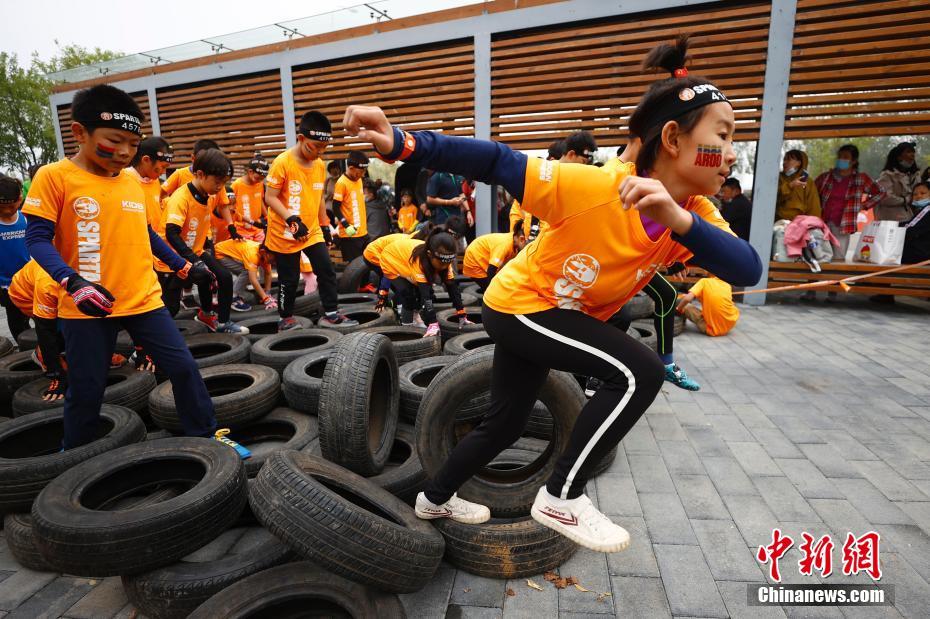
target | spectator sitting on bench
[
  {"x": 917, "y": 237},
  {"x": 736, "y": 208}
]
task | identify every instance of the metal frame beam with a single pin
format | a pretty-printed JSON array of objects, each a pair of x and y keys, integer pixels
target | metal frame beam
[
  {"x": 485, "y": 213},
  {"x": 771, "y": 134},
  {"x": 153, "y": 110}
]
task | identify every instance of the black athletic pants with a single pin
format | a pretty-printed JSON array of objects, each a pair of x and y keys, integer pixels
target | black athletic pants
[
  {"x": 352, "y": 248},
  {"x": 289, "y": 274},
  {"x": 15, "y": 319},
  {"x": 527, "y": 347},
  {"x": 172, "y": 287},
  {"x": 661, "y": 291}
]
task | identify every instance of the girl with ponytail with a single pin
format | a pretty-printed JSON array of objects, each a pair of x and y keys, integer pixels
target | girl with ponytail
[{"x": 546, "y": 309}]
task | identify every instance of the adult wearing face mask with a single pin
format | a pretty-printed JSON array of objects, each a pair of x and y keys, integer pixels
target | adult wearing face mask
[
  {"x": 917, "y": 238},
  {"x": 898, "y": 179},
  {"x": 844, "y": 191},
  {"x": 797, "y": 195}
]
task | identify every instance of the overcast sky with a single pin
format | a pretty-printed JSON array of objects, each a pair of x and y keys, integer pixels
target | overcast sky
[{"x": 33, "y": 25}]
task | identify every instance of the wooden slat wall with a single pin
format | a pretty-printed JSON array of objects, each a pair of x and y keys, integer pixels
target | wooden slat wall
[
  {"x": 243, "y": 114},
  {"x": 859, "y": 57},
  {"x": 547, "y": 83},
  {"x": 420, "y": 88},
  {"x": 64, "y": 122}
]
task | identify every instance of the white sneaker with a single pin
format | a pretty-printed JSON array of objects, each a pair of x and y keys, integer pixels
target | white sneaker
[
  {"x": 455, "y": 508},
  {"x": 580, "y": 522}
]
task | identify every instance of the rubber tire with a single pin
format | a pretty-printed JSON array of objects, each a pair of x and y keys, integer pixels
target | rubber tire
[
  {"x": 443, "y": 301},
  {"x": 6, "y": 346},
  {"x": 352, "y": 277},
  {"x": 403, "y": 475},
  {"x": 411, "y": 393},
  {"x": 212, "y": 349},
  {"x": 125, "y": 387},
  {"x": 247, "y": 402},
  {"x": 524, "y": 452},
  {"x": 641, "y": 306},
  {"x": 461, "y": 344},
  {"x": 124, "y": 344},
  {"x": 361, "y": 377},
  {"x": 27, "y": 340},
  {"x": 398, "y": 553},
  {"x": 539, "y": 424},
  {"x": 506, "y": 493},
  {"x": 77, "y": 539},
  {"x": 294, "y": 428},
  {"x": 449, "y": 324},
  {"x": 305, "y": 305},
  {"x": 16, "y": 370},
  {"x": 31, "y": 457},
  {"x": 409, "y": 343},
  {"x": 261, "y": 327},
  {"x": 277, "y": 351},
  {"x": 504, "y": 548},
  {"x": 357, "y": 298},
  {"x": 291, "y": 589},
  {"x": 301, "y": 389},
  {"x": 367, "y": 316},
  {"x": 647, "y": 333},
  {"x": 175, "y": 591}
]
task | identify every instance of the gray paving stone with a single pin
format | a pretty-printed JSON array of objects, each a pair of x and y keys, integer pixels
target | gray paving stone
[
  {"x": 690, "y": 588},
  {"x": 666, "y": 428},
  {"x": 911, "y": 592},
  {"x": 617, "y": 496},
  {"x": 753, "y": 518},
  {"x": 889, "y": 483},
  {"x": 799, "y": 432},
  {"x": 106, "y": 600},
  {"x": 729, "y": 428},
  {"x": 775, "y": 443},
  {"x": 471, "y": 590},
  {"x": 734, "y": 596},
  {"x": 910, "y": 542},
  {"x": 706, "y": 442},
  {"x": 840, "y": 516},
  {"x": 529, "y": 603},
  {"x": 848, "y": 446},
  {"x": 640, "y": 598},
  {"x": 680, "y": 458},
  {"x": 53, "y": 600},
  {"x": 666, "y": 519},
  {"x": 650, "y": 474},
  {"x": 590, "y": 568},
  {"x": 431, "y": 601},
  {"x": 754, "y": 460},
  {"x": 638, "y": 559},
  {"x": 726, "y": 551},
  {"x": 784, "y": 499},
  {"x": 871, "y": 503},
  {"x": 21, "y": 586},
  {"x": 729, "y": 477},
  {"x": 919, "y": 512},
  {"x": 473, "y": 612},
  {"x": 639, "y": 440},
  {"x": 700, "y": 498},
  {"x": 808, "y": 479},
  {"x": 830, "y": 461}
]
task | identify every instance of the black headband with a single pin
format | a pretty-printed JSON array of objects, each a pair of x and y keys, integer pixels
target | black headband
[
  {"x": 319, "y": 136},
  {"x": 112, "y": 120},
  {"x": 259, "y": 165},
  {"x": 167, "y": 157},
  {"x": 445, "y": 258},
  {"x": 688, "y": 98}
]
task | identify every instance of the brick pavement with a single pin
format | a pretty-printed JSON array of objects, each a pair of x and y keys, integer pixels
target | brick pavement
[{"x": 811, "y": 418}]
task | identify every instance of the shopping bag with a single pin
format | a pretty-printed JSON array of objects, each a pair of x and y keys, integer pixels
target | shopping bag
[{"x": 881, "y": 242}]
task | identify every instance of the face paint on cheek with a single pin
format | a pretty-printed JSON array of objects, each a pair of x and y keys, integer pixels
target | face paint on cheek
[
  {"x": 709, "y": 156},
  {"x": 104, "y": 151}
]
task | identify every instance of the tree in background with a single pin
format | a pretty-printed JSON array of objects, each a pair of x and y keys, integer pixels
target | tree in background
[{"x": 27, "y": 136}]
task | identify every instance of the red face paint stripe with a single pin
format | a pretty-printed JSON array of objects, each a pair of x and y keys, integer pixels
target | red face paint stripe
[{"x": 105, "y": 151}]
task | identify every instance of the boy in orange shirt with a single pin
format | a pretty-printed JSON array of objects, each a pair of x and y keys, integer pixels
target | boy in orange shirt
[
  {"x": 488, "y": 253},
  {"x": 87, "y": 229},
  {"x": 243, "y": 258},
  {"x": 408, "y": 215},
  {"x": 249, "y": 191},
  {"x": 297, "y": 220},
  {"x": 349, "y": 207},
  {"x": 151, "y": 161},
  {"x": 717, "y": 314}
]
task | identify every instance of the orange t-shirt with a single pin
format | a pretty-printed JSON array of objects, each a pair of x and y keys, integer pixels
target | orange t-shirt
[
  {"x": 182, "y": 209},
  {"x": 717, "y": 307},
  {"x": 395, "y": 262},
  {"x": 486, "y": 250},
  {"x": 373, "y": 251},
  {"x": 33, "y": 291},
  {"x": 352, "y": 197},
  {"x": 595, "y": 255},
  {"x": 517, "y": 212},
  {"x": 407, "y": 218},
  {"x": 101, "y": 232},
  {"x": 249, "y": 200},
  {"x": 152, "y": 190},
  {"x": 301, "y": 192},
  {"x": 244, "y": 252}
]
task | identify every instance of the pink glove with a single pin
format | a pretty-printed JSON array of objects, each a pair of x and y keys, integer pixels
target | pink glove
[
  {"x": 432, "y": 330},
  {"x": 270, "y": 303},
  {"x": 310, "y": 285}
]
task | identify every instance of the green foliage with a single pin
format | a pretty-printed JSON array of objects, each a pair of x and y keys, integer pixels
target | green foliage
[{"x": 27, "y": 136}]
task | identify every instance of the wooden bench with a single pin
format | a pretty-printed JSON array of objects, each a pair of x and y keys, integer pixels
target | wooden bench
[{"x": 911, "y": 282}]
